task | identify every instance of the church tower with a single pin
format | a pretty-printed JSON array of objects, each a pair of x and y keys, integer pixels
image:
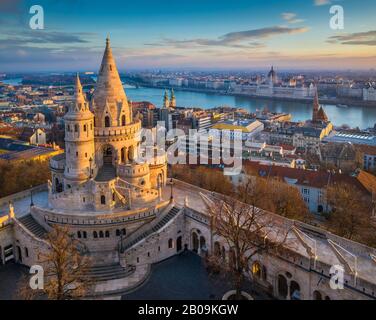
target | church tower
[
  {"x": 172, "y": 100},
  {"x": 316, "y": 106},
  {"x": 79, "y": 140},
  {"x": 166, "y": 103},
  {"x": 318, "y": 111}
]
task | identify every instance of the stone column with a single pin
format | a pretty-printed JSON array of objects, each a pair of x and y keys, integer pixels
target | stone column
[{"x": 288, "y": 297}]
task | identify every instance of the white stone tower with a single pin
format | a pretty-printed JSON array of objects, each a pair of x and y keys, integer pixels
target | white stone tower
[{"x": 79, "y": 140}]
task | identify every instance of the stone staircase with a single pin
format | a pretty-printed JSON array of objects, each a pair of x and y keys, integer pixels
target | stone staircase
[
  {"x": 106, "y": 173},
  {"x": 33, "y": 226},
  {"x": 159, "y": 225},
  {"x": 109, "y": 272}
]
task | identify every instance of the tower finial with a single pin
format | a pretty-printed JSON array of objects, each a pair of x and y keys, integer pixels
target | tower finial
[{"x": 108, "y": 40}]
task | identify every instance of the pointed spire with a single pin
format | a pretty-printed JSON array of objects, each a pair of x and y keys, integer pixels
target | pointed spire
[
  {"x": 79, "y": 99},
  {"x": 316, "y": 105},
  {"x": 109, "y": 88}
]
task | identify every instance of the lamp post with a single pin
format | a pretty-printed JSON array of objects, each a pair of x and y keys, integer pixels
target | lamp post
[{"x": 31, "y": 196}]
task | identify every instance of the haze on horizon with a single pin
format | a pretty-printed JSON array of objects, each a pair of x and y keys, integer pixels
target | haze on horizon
[{"x": 191, "y": 35}]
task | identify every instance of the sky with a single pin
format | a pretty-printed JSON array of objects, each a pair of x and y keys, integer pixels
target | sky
[{"x": 190, "y": 34}]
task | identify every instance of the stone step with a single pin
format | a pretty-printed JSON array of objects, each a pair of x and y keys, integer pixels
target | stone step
[
  {"x": 170, "y": 215},
  {"x": 109, "y": 272},
  {"x": 33, "y": 226}
]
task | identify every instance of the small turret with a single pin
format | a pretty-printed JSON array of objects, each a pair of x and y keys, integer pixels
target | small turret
[{"x": 79, "y": 138}]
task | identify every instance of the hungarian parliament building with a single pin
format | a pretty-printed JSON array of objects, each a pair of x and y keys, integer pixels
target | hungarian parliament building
[{"x": 129, "y": 215}]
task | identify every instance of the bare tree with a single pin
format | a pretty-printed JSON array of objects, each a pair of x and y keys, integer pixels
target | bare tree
[
  {"x": 65, "y": 269},
  {"x": 350, "y": 213},
  {"x": 247, "y": 230}
]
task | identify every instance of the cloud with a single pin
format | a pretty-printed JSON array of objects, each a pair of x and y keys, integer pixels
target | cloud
[
  {"x": 360, "y": 38},
  {"x": 291, "y": 17},
  {"x": 45, "y": 37},
  {"x": 321, "y": 2},
  {"x": 240, "y": 39}
]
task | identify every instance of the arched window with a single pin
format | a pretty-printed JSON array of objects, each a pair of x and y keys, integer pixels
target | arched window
[
  {"x": 107, "y": 234},
  {"x": 95, "y": 234},
  {"x": 122, "y": 154},
  {"x": 85, "y": 128},
  {"x": 101, "y": 235},
  {"x": 217, "y": 249},
  {"x": 107, "y": 121},
  {"x": 256, "y": 270},
  {"x": 26, "y": 252},
  {"x": 317, "y": 295},
  {"x": 79, "y": 234},
  {"x": 295, "y": 290},
  {"x": 117, "y": 232},
  {"x": 76, "y": 127},
  {"x": 103, "y": 199},
  {"x": 282, "y": 287},
  {"x": 113, "y": 196},
  {"x": 123, "y": 120},
  {"x": 170, "y": 243},
  {"x": 123, "y": 231},
  {"x": 84, "y": 234}
]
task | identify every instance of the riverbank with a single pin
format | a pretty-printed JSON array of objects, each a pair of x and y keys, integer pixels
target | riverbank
[{"x": 333, "y": 101}]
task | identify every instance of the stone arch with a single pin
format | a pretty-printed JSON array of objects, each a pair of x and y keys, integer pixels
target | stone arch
[
  {"x": 282, "y": 287},
  {"x": 256, "y": 270},
  {"x": 108, "y": 153},
  {"x": 179, "y": 244},
  {"x": 317, "y": 295},
  {"x": 107, "y": 121},
  {"x": 202, "y": 243},
  {"x": 123, "y": 154},
  {"x": 217, "y": 249},
  {"x": 295, "y": 290},
  {"x": 195, "y": 242}
]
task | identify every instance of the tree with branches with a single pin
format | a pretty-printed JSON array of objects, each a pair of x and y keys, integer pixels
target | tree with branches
[
  {"x": 247, "y": 231},
  {"x": 350, "y": 213},
  {"x": 65, "y": 265}
]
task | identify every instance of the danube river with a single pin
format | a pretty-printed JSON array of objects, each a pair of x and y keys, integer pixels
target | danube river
[
  {"x": 362, "y": 117},
  {"x": 353, "y": 116}
]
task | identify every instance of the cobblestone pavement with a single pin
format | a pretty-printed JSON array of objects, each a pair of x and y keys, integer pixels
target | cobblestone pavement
[
  {"x": 184, "y": 277},
  {"x": 10, "y": 274}
]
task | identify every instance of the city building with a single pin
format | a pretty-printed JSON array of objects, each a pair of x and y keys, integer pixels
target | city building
[
  {"x": 128, "y": 217},
  {"x": 237, "y": 129}
]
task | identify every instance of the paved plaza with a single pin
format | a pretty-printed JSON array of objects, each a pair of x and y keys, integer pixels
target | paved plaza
[{"x": 184, "y": 277}]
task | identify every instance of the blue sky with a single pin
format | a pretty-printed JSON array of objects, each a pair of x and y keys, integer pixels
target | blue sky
[{"x": 252, "y": 34}]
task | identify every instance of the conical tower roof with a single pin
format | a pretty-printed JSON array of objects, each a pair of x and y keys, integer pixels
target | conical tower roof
[
  {"x": 109, "y": 93},
  {"x": 78, "y": 93},
  {"x": 316, "y": 105},
  {"x": 79, "y": 108}
]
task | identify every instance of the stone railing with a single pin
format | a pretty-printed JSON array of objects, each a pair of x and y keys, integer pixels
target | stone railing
[
  {"x": 119, "y": 131},
  {"x": 22, "y": 194}
]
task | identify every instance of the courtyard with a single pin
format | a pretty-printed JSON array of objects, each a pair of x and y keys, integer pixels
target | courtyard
[{"x": 184, "y": 277}]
